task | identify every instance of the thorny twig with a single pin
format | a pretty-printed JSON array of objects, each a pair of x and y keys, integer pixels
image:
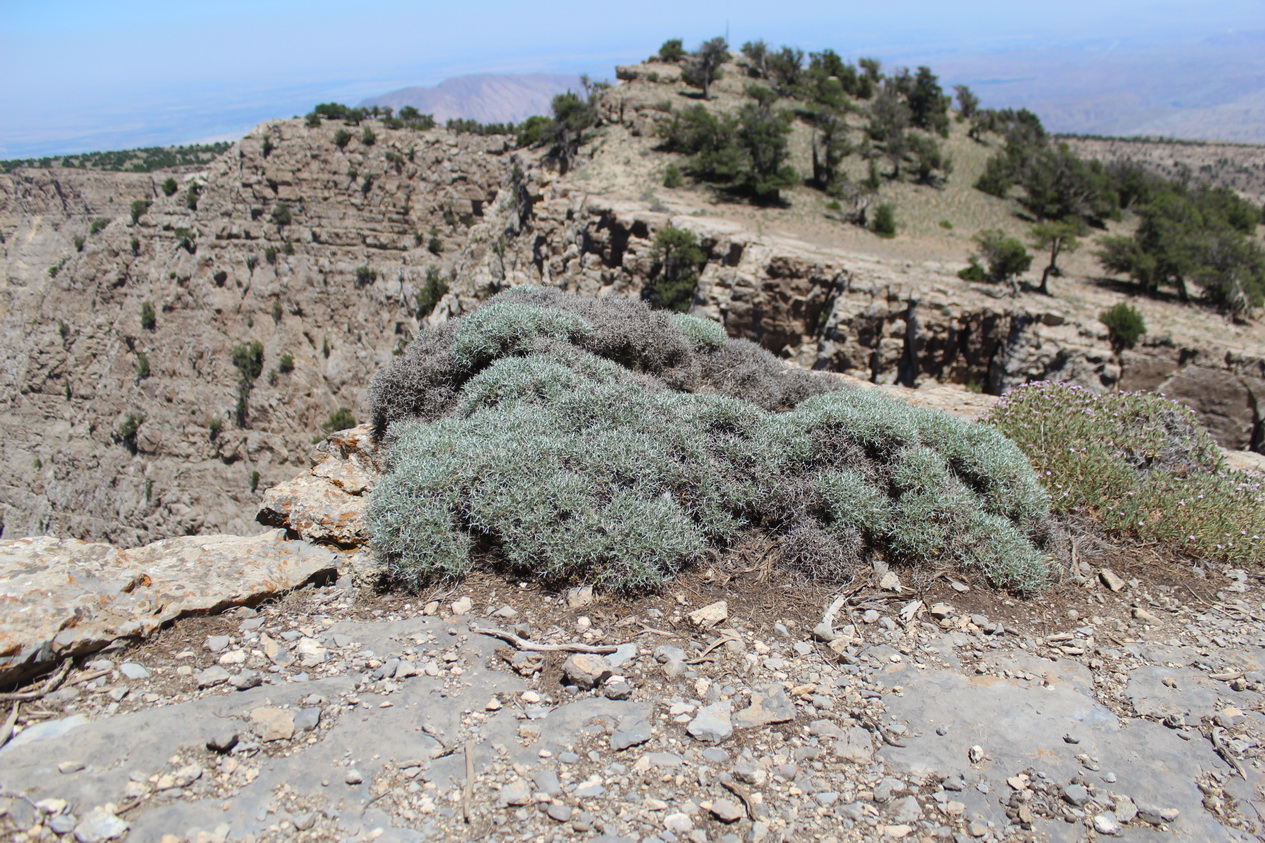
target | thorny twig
[
  {"x": 48, "y": 687},
  {"x": 468, "y": 791},
  {"x": 524, "y": 644},
  {"x": 1227, "y": 755},
  {"x": 742, "y": 795},
  {"x": 650, "y": 630},
  {"x": 703, "y": 656},
  {"x": 6, "y": 731}
]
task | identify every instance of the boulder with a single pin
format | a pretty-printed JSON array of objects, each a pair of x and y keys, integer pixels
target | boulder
[
  {"x": 64, "y": 597},
  {"x": 327, "y": 504}
]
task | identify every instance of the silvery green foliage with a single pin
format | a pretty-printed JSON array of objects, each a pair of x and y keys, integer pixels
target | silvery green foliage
[
  {"x": 672, "y": 351},
  {"x": 703, "y": 333},
  {"x": 570, "y": 465},
  {"x": 505, "y": 328}
]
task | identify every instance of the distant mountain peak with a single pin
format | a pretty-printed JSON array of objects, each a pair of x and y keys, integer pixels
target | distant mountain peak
[{"x": 485, "y": 97}]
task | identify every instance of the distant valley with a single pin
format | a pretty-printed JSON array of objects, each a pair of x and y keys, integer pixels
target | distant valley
[{"x": 1211, "y": 89}]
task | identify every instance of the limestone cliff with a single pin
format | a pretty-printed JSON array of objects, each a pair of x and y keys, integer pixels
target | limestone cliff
[
  {"x": 888, "y": 323},
  {"x": 333, "y": 289}
]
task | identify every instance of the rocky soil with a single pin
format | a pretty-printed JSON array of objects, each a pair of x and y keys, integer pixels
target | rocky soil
[{"x": 1127, "y": 703}]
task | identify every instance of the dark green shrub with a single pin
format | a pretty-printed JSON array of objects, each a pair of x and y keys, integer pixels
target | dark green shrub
[
  {"x": 149, "y": 319},
  {"x": 248, "y": 359},
  {"x": 139, "y": 208},
  {"x": 142, "y": 366},
  {"x": 672, "y": 177},
  {"x": 270, "y": 254},
  {"x": 185, "y": 239},
  {"x": 559, "y": 433},
  {"x": 125, "y": 435},
  {"x": 673, "y": 50},
  {"x": 434, "y": 245},
  {"x": 254, "y": 481},
  {"x": 341, "y": 419},
  {"x": 312, "y": 120},
  {"x": 341, "y": 138},
  {"x": 98, "y": 225},
  {"x": 434, "y": 289},
  {"x": 885, "y": 221},
  {"x": 79, "y": 241},
  {"x": 286, "y": 364},
  {"x": 676, "y": 259},
  {"x": 973, "y": 272},
  {"x": 1005, "y": 256},
  {"x": 191, "y": 197},
  {"x": 214, "y": 428},
  {"x": 368, "y": 138},
  {"x": 170, "y": 186},
  {"x": 365, "y": 276},
  {"x": 1125, "y": 325},
  {"x": 281, "y": 214},
  {"x": 1140, "y": 465}
]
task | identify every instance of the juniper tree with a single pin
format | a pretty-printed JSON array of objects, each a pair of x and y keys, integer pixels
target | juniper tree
[
  {"x": 1056, "y": 237},
  {"x": 704, "y": 66}
]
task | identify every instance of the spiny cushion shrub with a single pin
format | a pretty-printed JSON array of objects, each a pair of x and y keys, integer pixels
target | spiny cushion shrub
[
  {"x": 544, "y": 437},
  {"x": 1140, "y": 464},
  {"x": 681, "y": 352}
]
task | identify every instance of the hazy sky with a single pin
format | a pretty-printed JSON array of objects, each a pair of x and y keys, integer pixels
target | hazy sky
[{"x": 78, "y": 75}]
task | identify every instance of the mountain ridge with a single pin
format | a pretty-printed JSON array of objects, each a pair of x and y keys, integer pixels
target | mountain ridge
[{"x": 484, "y": 97}]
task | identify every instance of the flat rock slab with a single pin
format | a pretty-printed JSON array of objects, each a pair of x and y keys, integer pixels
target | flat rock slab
[
  {"x": 64, "y": 597},
  {"x": 1158, "y": 692},
  {"x": 1019, "y": 725},
  {"x": 367, "y": 733}
]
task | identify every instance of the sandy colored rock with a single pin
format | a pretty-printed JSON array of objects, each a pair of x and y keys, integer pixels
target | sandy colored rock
[
  {"x": 272, "y": 724},
  {"x": 66, "y": 597},
  {"x": 769, "y": 704},
  {"x": 710, "y": 615},
  {"x": 327, "y": 504},
  {"x": 585, "y": 670},
  {"x": 1111, "y": 579}
]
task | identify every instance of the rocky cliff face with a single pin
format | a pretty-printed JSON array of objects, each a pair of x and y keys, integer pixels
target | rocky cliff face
[
  {"x": 841, "y": 312},
  {"x": 121, "y": 428}
]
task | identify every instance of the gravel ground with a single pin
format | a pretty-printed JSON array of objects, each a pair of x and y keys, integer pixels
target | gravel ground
[{"x": 1127, "y": 703}]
